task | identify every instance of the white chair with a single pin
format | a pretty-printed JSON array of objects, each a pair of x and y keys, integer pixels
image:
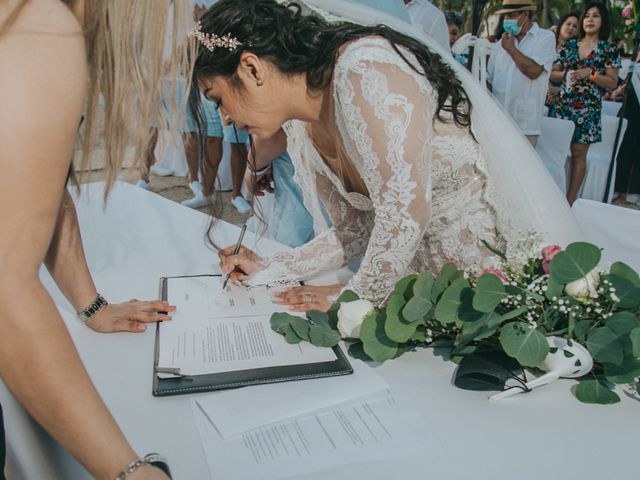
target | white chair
[
  {"x": 615, "y": 229},
  {"x": 598, "y": 159},
  {"x": 611, "y": 108},
  {"x": 554, "y": 147}
]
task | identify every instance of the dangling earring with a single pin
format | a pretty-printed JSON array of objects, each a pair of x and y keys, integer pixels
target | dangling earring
[{"x": 259, "y": 83}]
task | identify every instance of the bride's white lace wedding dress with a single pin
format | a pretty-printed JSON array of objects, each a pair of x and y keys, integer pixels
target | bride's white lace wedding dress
[{"x": 432, "y": 196}]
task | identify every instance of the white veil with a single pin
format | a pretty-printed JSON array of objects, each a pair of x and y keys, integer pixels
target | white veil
[{"x": 519, "y": 186}]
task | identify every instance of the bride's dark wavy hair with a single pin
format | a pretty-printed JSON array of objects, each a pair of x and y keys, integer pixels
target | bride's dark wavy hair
[{"x": 305, "y": 43}]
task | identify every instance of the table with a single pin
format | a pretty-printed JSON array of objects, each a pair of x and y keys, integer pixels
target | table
[{"x": 141, "y": 236}]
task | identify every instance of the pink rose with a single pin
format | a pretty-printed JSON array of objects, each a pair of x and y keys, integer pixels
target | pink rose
[
  {"x": 626, "y": 11},
  {"x": 497, "y": 272},
  {"x": 547, "y": 255}
]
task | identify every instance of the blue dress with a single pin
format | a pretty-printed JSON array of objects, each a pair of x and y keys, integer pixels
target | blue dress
[{"x": 291, "y": 223}]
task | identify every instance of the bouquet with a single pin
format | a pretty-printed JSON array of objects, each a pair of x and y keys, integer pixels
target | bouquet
[{"x": 551, "y": 310}]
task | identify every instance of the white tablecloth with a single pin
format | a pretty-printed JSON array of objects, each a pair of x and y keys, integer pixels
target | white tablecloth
[{"x": 141, "y": 236}]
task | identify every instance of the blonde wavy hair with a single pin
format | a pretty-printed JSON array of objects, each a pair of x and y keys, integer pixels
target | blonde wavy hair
[{"x": 139, "y": 56}]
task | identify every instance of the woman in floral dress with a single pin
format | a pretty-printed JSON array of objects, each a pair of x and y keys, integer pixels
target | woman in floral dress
[{"x": 588, "y": 66}]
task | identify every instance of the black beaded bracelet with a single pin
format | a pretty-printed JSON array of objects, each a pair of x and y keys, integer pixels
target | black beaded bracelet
[{"x": 98, "y": 304}]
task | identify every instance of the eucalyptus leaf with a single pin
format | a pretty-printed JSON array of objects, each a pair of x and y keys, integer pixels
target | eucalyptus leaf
[
  {"x": 323, "y": 336},
  {"x": 301, "y": 327},
  {"x": 574, "y": 262},
  {"x": 447, "y": 308},
  {"x": 375, "y": 342},
  {"x": 396, "y": 328},
  {"x": 289, "y": 335},
  {"x": 626, "y": 291},
  {"x": 423, "y": 286},
  {"x": 605, "y": 345},
  {"x": 449, "y": 271},
  {"x": 512, "y": 314},
  {"x": 625, "y": 271},
  {"x": 319, "y": 318},
  {"x": 356, "y": 350},
  {"x": 524, "y": 343},
  {"x": 593, "y": 391},
  {"x": 416, "y": 309},
  {"x": 626, "y": 372},
  {"x": 554, "y": 288},
  {"x": 622, "y": 322},
  {"x": 488, "y": 293},
  {"x": 405, "y": 286},
  {"x": 634, "y": 335},
  {"x": 581, "y": 329}
]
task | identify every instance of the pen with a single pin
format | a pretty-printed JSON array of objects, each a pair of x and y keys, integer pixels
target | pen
[{"x": 235, "y": 252}]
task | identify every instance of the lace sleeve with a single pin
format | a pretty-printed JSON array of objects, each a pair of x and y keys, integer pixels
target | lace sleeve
[
  {"x": 343, "y": 242},
  {"x": 383, "y": 112}
]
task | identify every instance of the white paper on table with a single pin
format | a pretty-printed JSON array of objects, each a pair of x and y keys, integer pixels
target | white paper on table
[
  {"x": 355, "y": 432},
  {"x": 237, "y": 411},
  {"x": 199, "y": 340}
]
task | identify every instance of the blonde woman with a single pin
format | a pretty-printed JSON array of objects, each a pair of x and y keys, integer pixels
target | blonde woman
[{"x": 48, "y": 51}]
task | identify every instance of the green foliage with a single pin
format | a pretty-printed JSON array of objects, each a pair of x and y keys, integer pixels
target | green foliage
[
  {"x": 575, "y": 262},
  {"x": 462, "y": 314},
  {"x": 524, "y": 343},
  {"x": 594, "y": 391}
]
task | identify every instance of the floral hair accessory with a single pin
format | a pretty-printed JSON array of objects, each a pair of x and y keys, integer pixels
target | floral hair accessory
[{"x": 211, "y": 40}]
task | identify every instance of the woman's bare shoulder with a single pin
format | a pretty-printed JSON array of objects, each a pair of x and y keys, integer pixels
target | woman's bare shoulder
[{"x": 39, "y": 17}]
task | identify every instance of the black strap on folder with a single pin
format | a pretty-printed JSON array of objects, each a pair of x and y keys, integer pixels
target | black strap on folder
[{"x": 241, "y": 378}]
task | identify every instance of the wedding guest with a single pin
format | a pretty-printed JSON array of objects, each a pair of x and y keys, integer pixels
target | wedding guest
[
  {"x": 628, "y": 169},
  {"x": 75, "y": 45},
  {"x": 430, "y": 19},
  {"x": 454, "y": 24},
  {"x": 519, "y": 66},
  {"x": 377, "y": 135},
  {"x": 589, "y": 66},
  {"x": 566, "y": 29}
]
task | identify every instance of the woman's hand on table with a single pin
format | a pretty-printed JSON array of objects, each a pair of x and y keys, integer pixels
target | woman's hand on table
[
  {"x": 131, "y": 316},
  {"x": 308, "y": 297},
  {"x": 240, "y": 266}
]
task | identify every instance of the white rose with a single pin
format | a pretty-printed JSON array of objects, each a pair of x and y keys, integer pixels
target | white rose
[
  {"x": 584, "y": 287},
  {"x": 351, "y": 315}
]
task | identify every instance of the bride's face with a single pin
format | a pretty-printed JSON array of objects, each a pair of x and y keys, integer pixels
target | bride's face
[{"x": 252, "y": 98}]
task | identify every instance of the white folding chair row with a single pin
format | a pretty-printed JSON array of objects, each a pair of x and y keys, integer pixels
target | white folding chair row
[
  {"x": 554, "y": 147},
  {"x": 598, "y": 160}
]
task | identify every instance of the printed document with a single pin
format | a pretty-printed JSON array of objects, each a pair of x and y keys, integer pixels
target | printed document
[
  {"x": 354, "y": 432},
  {"x": 213, "y": 331}
]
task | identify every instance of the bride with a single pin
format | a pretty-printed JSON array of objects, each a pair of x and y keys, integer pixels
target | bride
[{"x": 414, "y": 163}]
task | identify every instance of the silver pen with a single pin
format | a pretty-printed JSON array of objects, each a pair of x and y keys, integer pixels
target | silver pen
[{"x": 235, "y": 252}]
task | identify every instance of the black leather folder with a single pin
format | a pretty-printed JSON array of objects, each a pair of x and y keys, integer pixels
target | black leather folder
[{"x": 219, "y": 381}]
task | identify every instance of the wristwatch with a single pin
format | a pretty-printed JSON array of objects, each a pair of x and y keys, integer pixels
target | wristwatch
[{"x": 98, "y": 304}]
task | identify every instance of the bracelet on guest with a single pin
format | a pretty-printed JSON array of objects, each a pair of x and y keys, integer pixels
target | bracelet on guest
[
  {"x": 98, "y": 304},
  {"x": 593, "y": 76},
  {"x": 151, "y": 459}
]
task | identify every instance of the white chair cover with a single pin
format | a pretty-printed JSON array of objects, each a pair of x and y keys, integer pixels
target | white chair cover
[
  {"x": 554, "y": 147},
  {"x": 611, "y": 108},
  {"x": 598, "y": 159},
  {"x": 482, "y": 50},
  {"x": 616, "y": 229}
]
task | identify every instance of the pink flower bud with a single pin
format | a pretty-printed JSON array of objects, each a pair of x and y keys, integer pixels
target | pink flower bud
[
  {"x": 497, "y": 272},
  {"x": 626, "y": 11},
  {"x": 547, "y": 255}
]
